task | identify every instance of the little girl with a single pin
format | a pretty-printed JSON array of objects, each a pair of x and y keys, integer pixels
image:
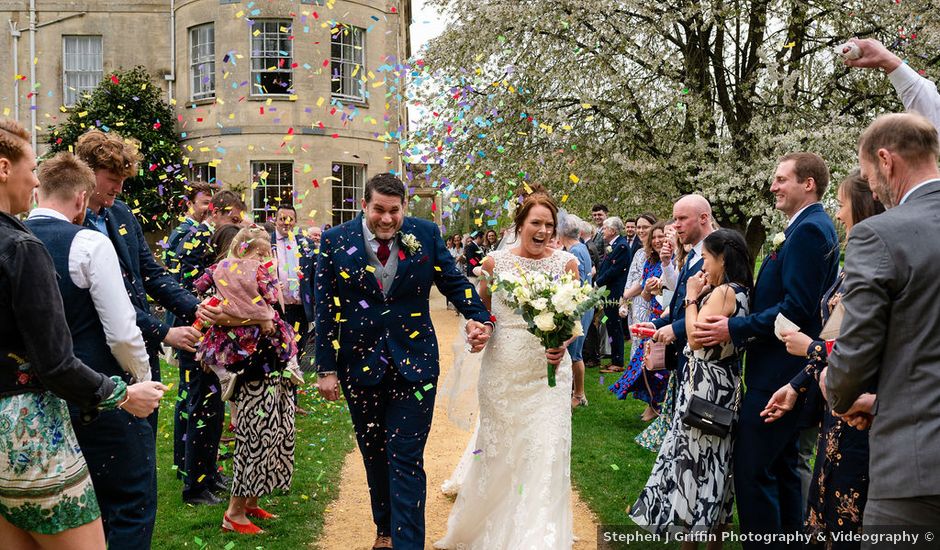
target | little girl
[{"x": 250, "y": 361}]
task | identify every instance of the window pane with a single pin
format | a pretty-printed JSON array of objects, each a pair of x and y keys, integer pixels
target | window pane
[
  {"x": 346, "y": 62},
  {"x": 347, "y": 191},
  {"x": 273, "y": 184},
  {"x": 82, "y": 66},
  {"x": 271, "y": 57}
]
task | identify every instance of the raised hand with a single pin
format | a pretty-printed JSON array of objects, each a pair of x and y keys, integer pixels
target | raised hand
[
  {"x": 797, "y": 342},
  {"x": 780, "y": 403},
  {"x": 874, "y": 55}
]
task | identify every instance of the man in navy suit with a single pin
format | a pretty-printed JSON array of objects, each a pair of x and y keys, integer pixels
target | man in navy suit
[
  {"x": 693, "y": 222},
  {"x": 374, "y": 336},
  {"x": 612, "y": 273},
  {"x": 113, "y": 160},
  {"x": 793, "y": 277}
]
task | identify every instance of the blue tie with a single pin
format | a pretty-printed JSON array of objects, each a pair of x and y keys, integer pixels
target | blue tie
[{"x": 689, "y": 260}]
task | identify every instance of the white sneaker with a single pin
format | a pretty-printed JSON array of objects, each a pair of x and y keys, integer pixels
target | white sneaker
[{"x": 296, "y": 375}]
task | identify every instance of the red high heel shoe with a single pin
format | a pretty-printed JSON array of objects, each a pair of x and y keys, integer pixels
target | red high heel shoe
[
  {"x": 259, "y": 513},
  {"x": 240, "y": 528}
]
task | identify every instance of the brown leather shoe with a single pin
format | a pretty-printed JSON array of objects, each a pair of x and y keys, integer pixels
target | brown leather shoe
[{"x": 382, "y": 542}]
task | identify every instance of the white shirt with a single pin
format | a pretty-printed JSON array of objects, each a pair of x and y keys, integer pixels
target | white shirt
[
  {"x": 915, "y": 188},
  {"x": 798, "y": 212},
  {"x": 93, "y": 265},
  {"x": 374, "y": 243},
  {"x": 917, "y": 93},
  {"x": 671, "y": 274}
]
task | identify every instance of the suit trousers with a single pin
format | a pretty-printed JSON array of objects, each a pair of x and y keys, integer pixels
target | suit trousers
[
  {"x": 766, "y": 480},
  {"x": 204, "y": 417},
  {"x": 121, "y": 455},
  {"x": 902, "y": 516},
  {"x": 614, "y": 334},
  {"x": 392, "y": 420}
]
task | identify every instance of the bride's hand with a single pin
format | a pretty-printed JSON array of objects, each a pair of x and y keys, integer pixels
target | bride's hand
[{"x": 555, "y": 355}]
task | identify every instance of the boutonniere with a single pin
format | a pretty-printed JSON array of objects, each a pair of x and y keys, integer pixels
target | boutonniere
[
  {"x": 777, "y": 243},
  {"x": 609, "y": 249},
  {"x": 409, "y": 241}
]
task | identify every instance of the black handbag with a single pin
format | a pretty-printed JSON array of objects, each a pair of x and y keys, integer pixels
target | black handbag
[{"x": 710, "y": 418}]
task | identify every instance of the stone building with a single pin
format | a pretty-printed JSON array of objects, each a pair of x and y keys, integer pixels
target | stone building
[{"x": 286, "y": 100}]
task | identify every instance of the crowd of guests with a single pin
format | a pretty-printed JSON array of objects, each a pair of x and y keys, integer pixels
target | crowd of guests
[{"x": 77, "y": 284}]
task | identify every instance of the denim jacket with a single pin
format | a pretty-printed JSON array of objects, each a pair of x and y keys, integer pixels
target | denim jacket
[{"x": 35, "y": 342}]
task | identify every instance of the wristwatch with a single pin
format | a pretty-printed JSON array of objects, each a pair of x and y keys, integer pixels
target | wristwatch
[
  {"x": 326, "y": 373},
  {"x": 689, "y": 301}
]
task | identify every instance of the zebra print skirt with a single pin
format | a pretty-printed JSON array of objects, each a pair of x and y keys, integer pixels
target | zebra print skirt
[{"x": 264, "y": 436}]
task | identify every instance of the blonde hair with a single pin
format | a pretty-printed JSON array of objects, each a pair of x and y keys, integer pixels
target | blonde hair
[
  {"x": 251, "y": 239},
  {"x": 108, "y": 152},
  {"x": 64, "y": 176},
  {"x": 14, "y": 139}
]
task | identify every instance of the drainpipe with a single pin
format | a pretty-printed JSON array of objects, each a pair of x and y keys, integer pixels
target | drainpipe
[
  {"x": 32, "y": 71},
  {"x": 15, "y": 33},
  {"x": 171, "y": 78}
]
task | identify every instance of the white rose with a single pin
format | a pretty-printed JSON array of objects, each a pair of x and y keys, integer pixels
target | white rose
[
  {"x": 545, "y": 321},
  {"x": 564, "y": 300},
  {"x": 539, "y": 304},
  {"x": 778, "y": 239}
]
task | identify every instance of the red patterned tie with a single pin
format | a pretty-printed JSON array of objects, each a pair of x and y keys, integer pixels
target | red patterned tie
[{"x": 384, "y": 251}]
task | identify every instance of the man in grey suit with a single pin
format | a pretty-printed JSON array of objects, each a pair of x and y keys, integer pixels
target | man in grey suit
[{"x": 890, "y": 335}]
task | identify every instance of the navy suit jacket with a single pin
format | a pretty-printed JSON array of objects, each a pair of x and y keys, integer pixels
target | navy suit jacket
[
  {"x": 143, "y": 275},
  {"x": 614, "y": 268},
  {"x": 307, "y": 261},
  {"x": 676, "y": 314},
  {"x": 791, "y": 281},
  {"x": 359, "y": 329}
]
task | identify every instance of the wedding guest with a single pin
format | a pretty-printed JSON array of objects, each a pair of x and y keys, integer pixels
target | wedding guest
[
  {"x": 690, "y": 487},
  {"x": 839, "y": 488},
  {"x": 648, "y": 387},
  {"x": 250, "y": 358},
  {"x": 314, "y": 234},
  {"x": 196, "y": 200},
  {"x": 569, "y": 233},
  {"x": 199, "y": 431},
  {"x": 490, "y": 242},
  {"x": 114, "y": 160},
  {"x": 473, "y": 256},
  {"x": 47, "y": 498},
  {"x": 631, "y": 291},
  {"x": 792, "y": 280},
  {"x": 596, "y": 344},
  {"x": 105, "y": 336},
  {"x": 916, "y": 92},
  {"x": 632, "y": 234},
  {"x": 295, "y": 257},
  {"x": 891, "y": 330},
  {"x": 612, "y": 274}
]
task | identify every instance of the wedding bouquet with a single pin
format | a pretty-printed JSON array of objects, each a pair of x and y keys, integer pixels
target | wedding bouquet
[{"x": 552, "y": 307}]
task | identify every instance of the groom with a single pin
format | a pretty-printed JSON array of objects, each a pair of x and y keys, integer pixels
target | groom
[{"x": 374, "y": 335}]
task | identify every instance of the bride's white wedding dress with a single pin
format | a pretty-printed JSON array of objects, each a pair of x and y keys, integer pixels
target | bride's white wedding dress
[{"x": 516, "y": 493}]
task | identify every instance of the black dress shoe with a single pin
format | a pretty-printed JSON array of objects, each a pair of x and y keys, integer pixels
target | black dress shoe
[
  {"x": 221, "y": 485},
  {"x": 203, "y": 498}
]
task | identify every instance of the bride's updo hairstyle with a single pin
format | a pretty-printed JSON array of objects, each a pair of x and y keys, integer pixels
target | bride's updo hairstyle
[
  {"x": 729, "y": 245},
  {"x": 538, "y": 198}
]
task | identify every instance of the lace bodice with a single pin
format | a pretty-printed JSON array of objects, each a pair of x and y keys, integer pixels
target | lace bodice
[{"x": 507, "y": 261}]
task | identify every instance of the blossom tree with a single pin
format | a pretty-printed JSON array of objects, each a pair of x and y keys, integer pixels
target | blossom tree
[{"x": 634, "y": 103}]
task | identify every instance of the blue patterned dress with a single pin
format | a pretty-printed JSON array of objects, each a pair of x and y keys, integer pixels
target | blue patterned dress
[{"x": 632, "y": 381}]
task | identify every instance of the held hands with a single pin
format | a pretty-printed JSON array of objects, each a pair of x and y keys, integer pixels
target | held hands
[
  {"x": 712, "y": 331},
  {"x": 143, "y": 398},
  {"x": 478, "y": 334},
  {"x": 781, "y": 402},
  {"x": 859, "y": 415},
  {"x": 328, "y": 386},
  {"x": 183, "y": 338},
  {"x": 797, "y": 342}
]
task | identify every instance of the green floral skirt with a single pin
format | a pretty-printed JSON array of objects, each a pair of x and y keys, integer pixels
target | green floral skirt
[{"x": 44, "y": 483}]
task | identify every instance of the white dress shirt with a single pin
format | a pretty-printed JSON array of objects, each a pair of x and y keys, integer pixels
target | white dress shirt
[
  {"x": 373, "y": 243},
  {"x": 798, "y": 212},
  {"x": 93, "y": 265},
  {"x": 917, "y": 93}
]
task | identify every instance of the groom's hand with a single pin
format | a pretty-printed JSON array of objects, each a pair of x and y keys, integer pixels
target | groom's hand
[
  {"x": 478, "y": 335},
  {"x": 328, "y": 386}
]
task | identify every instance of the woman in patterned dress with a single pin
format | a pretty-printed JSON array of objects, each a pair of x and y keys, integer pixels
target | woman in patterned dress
[
  {"x": 839, "y": 488},
  {"x": 46, "y": 494},
  {"x": 649, "y": 387},
  {"x": 690, "y": 487}
]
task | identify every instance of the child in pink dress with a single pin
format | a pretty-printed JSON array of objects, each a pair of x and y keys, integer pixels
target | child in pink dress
[{"x": 246, "y": 282}]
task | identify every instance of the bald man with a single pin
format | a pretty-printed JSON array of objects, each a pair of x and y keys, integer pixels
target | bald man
[{"x": 692, "y": 216}]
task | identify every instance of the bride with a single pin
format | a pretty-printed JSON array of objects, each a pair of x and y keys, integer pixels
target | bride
[{"x": 515, "y": 494}]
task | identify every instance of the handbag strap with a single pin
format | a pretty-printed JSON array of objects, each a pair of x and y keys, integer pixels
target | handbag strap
[{"x": 650, "y": 392}]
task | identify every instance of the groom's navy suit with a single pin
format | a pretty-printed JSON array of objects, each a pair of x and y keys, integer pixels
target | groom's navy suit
[
  {"x": 792, "y": 281},
  {"x": 379, "y": 339}
]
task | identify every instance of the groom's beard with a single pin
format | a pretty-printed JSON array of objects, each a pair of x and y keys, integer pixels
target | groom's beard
[{"x": 383, "y": 233}]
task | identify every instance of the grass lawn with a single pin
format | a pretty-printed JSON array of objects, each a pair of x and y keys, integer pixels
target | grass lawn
[
  {"x": 608, "y": 468},
  {"x": 323, "y": 440}
]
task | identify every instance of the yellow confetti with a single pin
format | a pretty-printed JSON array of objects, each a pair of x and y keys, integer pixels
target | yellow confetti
[{"x": 413, "y": 334}]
